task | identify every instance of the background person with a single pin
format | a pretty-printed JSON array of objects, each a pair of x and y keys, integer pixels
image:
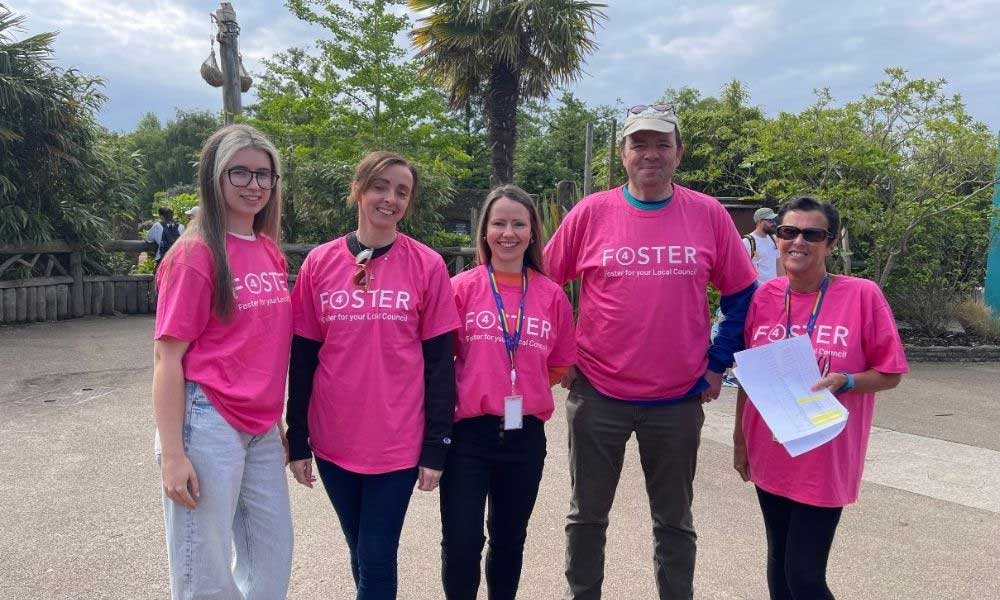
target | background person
[
  {"x": 493, "y": 458},
  {"x": 372, "y": 378},
  {"x": 857, "y": 345},
  {"x": 164, "y": 232},
  {"x": 763, "y": 251},
  {"x": 646, "y": 253},
  {"x": 762, "y": 246},
  {"x": 223, "y": 331}
]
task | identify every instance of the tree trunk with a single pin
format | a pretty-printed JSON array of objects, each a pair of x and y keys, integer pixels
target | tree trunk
[{"x": 502, "y": 98}]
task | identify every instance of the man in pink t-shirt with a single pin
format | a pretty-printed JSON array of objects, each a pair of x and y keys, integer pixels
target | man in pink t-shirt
[{"x": 646, "y": 253}]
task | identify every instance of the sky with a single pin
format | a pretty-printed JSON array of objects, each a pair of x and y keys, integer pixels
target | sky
[{"x": 149, "y": 51}]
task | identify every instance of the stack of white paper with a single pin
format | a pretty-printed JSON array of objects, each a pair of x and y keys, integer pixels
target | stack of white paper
[{"x": 777, "y": 377}]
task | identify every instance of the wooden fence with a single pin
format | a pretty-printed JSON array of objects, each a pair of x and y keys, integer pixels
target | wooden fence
[{"x": 62, "y": 290}]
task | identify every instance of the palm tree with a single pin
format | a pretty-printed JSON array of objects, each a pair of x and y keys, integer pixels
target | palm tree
[
  {"x": 501, "y": 51},
  {"x": 61, "y": 175}
]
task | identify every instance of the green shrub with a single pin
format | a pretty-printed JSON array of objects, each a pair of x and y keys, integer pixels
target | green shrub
[{"x": 447, "y": 239}]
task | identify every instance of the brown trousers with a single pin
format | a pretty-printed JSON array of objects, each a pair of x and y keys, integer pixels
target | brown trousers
[{"x": 668, "y": 438}]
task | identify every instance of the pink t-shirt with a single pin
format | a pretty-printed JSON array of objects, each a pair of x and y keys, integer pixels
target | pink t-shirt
[
  {"x": 482, "y": 365},
  {"x": 855, "y": 331},
  {"x": 241, "y": 363},
  {"x": 366, "y": 413},
  {"x": 643, "y": 326}
]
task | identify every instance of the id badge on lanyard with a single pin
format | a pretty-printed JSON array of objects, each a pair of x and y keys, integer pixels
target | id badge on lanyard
[{"x": 513, "y": 405}]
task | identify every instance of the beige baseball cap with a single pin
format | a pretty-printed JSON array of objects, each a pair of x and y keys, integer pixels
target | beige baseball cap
[{"x": 650, "y": 119}]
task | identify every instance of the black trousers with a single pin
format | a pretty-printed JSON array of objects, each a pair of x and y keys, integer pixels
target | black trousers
[
  {"x": 799, "y": 537},
  {"x": 504, "y": 468}
]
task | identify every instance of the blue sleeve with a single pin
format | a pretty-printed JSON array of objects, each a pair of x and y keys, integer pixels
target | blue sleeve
[{"x": 729, "y": 341}]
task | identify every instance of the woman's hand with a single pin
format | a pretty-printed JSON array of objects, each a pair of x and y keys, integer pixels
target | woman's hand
[
  {"x": 740, "y": 461},
  {"x": 832, "y": 382},
  {"x": 302, "y": 470},
  {"x": 427, "y": 479},
  {"x": 180, "y": 482}
]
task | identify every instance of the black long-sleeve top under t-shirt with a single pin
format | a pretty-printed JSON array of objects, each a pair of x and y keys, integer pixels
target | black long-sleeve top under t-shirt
[{"x": 439, "y": 389}]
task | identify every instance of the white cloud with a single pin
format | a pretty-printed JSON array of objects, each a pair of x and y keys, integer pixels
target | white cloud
[
  {"x": 963, "y": 22},
  {"x": 732, "y": 32}
]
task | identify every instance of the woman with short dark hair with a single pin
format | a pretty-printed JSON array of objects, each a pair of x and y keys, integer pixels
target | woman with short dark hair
[{"x": 854, "y": 335}]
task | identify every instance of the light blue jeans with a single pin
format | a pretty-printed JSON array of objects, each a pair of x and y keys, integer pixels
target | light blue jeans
[{"x": 243, "y": 505}]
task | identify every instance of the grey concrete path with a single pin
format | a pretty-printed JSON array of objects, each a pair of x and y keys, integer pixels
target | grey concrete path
[{"x": 80, "y": 513}]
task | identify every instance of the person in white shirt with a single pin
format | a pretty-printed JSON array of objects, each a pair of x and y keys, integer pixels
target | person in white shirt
[
  {"x": 761, "y": 246},
  {"x": 763, "y": 251}
]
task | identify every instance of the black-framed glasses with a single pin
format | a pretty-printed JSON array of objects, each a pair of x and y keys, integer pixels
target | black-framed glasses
[
  {"x": 660, "y": 108},
  {"x": 361, "y": 276},
  {"x": 241, "y": 177},
  {"x": 812, "y": 235}
]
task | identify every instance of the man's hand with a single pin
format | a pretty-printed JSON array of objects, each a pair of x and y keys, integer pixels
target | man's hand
[
  {"x": 567, "y": 380},
  {"x": 714, "y": 386}
]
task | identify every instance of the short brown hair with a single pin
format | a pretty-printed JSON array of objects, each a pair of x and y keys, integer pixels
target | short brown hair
[{"x": 371, "y": 166}]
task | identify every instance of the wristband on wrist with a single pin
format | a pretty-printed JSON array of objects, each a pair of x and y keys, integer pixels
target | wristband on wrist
[{"x": 847, "y": 386}]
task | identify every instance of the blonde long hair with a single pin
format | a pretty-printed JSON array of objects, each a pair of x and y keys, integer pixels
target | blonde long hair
[{"x": 211, "y": 224}]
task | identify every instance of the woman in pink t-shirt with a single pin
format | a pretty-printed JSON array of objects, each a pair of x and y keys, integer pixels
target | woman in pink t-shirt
[
  {"x": 859, "y": 353},
  {"x": 223, "y": 331},
  {"x": 372, "y": 385},
  {"x": 517, "y": 340}
]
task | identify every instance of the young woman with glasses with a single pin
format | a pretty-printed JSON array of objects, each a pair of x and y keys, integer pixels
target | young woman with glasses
[
  {"x": 859, "y": 352},
  {"x": 372, "y": 383},
  {"x": 223, "y": 331},
  {"x": 517, "y": 340}
]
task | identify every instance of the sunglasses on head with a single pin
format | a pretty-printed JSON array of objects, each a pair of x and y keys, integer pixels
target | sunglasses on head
[
  {"x": 361, "y": 277},
  {"x": 809, "y": 234},
  {"x": 660, "y": 108}
]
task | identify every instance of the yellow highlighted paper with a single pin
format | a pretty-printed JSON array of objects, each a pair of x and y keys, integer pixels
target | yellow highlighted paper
[
  {"x": 811, "y": 398},
  {"x": 825, "y": 417}
]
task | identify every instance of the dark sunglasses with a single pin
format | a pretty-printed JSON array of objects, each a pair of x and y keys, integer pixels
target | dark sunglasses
[
  {"x": 812, "y": 235},
  {"x": 660, "y": 108},
  {"x": 361, "y": 277}
]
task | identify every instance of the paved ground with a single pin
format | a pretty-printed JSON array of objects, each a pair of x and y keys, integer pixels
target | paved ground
[{"x": 80, "y": 509}]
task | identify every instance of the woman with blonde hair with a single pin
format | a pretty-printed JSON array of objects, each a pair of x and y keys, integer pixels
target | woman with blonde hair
[
  {"x": 222, "y": 336},
  {"x": 372, "y": 383},
  {"x": 517, "y": 340}
]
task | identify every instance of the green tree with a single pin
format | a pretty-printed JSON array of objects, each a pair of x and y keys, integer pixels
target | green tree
[
  {"x": 908, "y": 168},
  {"x": 719, "y": 136},
  {"x": 358, "y": 93},
  {"x": 500, "y": 52},
  {"x": 62, "y": 176},
  {"x": 552, "y": 145},
  {"x": 170, "y": 152}
]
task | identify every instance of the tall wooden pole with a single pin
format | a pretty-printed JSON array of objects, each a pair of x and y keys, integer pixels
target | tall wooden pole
[
  {"x": 229, "y": 53},
  {"x": 588, "y": 161}
]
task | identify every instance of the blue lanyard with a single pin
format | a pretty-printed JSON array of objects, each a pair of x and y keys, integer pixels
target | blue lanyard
[
  {"x": 510, "y": 342},
  {"x": 811, "y": 324}
]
